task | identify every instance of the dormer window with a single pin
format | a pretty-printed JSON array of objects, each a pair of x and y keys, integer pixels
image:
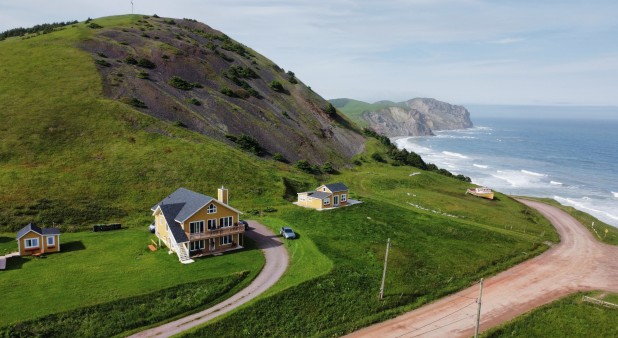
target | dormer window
[
  {"x": 212, "y": 209},
  {"x": 323, "y": 189}
]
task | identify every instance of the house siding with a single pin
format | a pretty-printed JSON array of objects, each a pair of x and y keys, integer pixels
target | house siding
[
  {"x": 42, "y": 247},
  {"x": 223, "y": 211}
]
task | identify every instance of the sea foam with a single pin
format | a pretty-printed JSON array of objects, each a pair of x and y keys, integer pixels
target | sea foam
[
  {"x": 615, "y": 194},
  {"x": 452, "y": 154},
  {"x": 482, "y": 166},
  {"x": 533, "y": 173}
]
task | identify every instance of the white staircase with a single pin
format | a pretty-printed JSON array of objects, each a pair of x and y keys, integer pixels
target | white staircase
[{"x": 183, "y": 255}]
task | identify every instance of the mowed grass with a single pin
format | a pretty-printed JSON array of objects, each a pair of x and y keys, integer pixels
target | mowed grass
[
  {"x": 566, "y": 317},
  {"x": 431, "y": 255},
  {"x": 94, "y": 268}
]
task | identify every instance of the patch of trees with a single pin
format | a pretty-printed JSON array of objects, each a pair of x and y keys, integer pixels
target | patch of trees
[
  {"x": 37, "y": 29},
  {"x": 180, "y": 83},
  {"x": 247, "y": 143},
  {"x": 276, "y": 86},
  {"x": 314, "y": 169},
  {"x": 237, "y": 74},
  {"x": 409, "y": 158}
]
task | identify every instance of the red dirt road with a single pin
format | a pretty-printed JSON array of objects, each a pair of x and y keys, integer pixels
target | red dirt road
[
  {"x": 578, "y": 262},
  {"x": 276, "y": 263}
]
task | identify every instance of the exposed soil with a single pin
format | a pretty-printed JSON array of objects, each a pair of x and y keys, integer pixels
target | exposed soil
[
  {"x": 276, "y": 263},
  {"x": 578, "y": 262}
]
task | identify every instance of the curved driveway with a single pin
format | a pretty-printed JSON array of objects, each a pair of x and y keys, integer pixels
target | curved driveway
[
  {"x": 578, "y": 262},
  {"x": 276, "y": 263}
]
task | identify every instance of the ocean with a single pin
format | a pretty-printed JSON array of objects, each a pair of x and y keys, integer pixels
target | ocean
[{"x": 573, "y": 161}]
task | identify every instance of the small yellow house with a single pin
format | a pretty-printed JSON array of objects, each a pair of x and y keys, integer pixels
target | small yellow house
[
  {"x": 191, "y": 224},
  {"x": 326, "y": 196},
  {"x": 32, "y": 240}
]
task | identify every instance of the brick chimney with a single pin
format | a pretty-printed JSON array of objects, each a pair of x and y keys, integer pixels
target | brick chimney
[{"x": 222, "y": 195}]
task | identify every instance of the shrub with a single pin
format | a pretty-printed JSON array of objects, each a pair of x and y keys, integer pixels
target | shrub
[
  {"x": 231, "y": 137},
  {"x": 228, "y": 92},
  {"x": 270, "y": 209},
  {"x": 130, "y": 60},
  {"x": 102, "y": 55},
  {"x": 330, "y": 109},
  {"x": 303, "y": 165},
  {"x": 276, "y": 86},
  {"x": 135, "y": 102},
  {"x": 328, "y": 168},
  {"x": 194, "y": 101},
  {"x": 143, "y": 75},
  {"x": 180, "y": 83},
  {"x": 249, "y": 143},
  {"x": 377, "y": 157},
  {"x": 102, "y": 63},
  {"x": 145, "y": 63},
  {"x": 180, "y": 124},
  {"x": 94, "y": 25},
  {"x": 165, "y": 57},
  {"x": 279, "y": 157},
  {"x": 169, "y": 21}
]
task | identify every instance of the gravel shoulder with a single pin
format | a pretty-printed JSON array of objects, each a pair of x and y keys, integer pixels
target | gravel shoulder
[
  {"x": 578, "y": 262},
  {"x": 276, "y": 263}
]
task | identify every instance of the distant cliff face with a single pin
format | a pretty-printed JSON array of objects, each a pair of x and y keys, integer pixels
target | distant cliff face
[{"x": 421, "y": 117}]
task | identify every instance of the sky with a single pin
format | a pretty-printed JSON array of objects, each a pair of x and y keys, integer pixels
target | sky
[{"x": 460, "y": 51}]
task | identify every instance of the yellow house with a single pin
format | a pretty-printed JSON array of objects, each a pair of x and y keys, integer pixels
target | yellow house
[
  {"x": 32, "y": 240},
  {"x": 326, "y": 196},
  {"x": 192, "y": 225}
]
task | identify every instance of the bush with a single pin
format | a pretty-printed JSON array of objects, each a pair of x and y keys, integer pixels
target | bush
[
  {"x": 304, "y": 165},
  {"x": 102, "y": 63},
  {"x": 270, "y": 209},
  {"x": 143, "y": 75},
  {"x": 180, "y": 124},
  {"x": 228, "y": 92},
  {"x": 330, "y": 109},
  {"x": 94, "y": 25},
  {"x": 130, "y": 60},
  {"x": 279, "y": 157},
  {"x": 276, "y": 86},
  {"x": 180, "y": 83},
  {"x": 194, "y": 101},
  {"x": 249, "y": 143},
  {"x": 135, "y": 102},
  {"x": 145, "y": 63},
  {"x": 377, "y": 157},
  {"x": 328, "y": 168}
]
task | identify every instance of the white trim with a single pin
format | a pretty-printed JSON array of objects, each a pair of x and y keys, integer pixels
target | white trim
[
  {"x": 211, "y": 206},
  {"x": 326, "y": 201},
  {"x": 227, "y": 237},
  {"x": 53, "y": 243},
  {"x": 230, "y": 222},
  {"x": 344, "y": 198},
  {"x": 214, "y": 220},
  {"x": 26, "y": 246},
  {"x": 202, "y": 227},
  {"x": 202, "y": 207}
]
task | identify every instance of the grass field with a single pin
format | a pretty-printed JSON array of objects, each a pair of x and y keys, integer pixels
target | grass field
[
  {"x": 566, "y": 317},
  {"x": 431, "y": 254},
  {"x": 94, "y": 268}
]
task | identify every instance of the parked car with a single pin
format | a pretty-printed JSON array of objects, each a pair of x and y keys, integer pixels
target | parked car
[
  {"x": 242, "y": 222},
  {"x": 151, "y": 228},
  {"x": 287, "y": 233}
]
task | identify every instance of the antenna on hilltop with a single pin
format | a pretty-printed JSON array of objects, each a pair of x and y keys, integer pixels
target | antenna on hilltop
[{"x": 131, "y": 6}]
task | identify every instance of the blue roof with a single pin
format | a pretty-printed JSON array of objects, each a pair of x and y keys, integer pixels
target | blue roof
[
  {"x": 319, "y": 194},
  {"x": 32, "y": 227},
  {"x": 336, "y": 187},
  {"x": 186, "y": 203}
]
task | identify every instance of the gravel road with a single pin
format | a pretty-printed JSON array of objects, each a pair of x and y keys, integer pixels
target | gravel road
[
  {"x": 276, "y": 263},
  {"x": 578, "y": 262}
]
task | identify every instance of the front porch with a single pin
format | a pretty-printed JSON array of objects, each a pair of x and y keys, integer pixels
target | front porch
[{"x": 216, "y": 252}]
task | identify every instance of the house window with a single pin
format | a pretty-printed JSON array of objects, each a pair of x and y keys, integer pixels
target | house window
[
  {"x": 212, "y": 209},
  {"x": 212, "y": 224},
  {"x": 51, "y": 241},
  {"x": 196, "y": 227},
  {"x": 344, "y": 198},
  {"x": 323, "y": 189},
  {"x": 197, "y": 245},
  {"x": 31, "y": 243},
  {"x": 226, "y": 240},
  {"x": 327, "y": 201},
  {"x": 302, "y": 197},
  {"x": 225, "y": 222}
]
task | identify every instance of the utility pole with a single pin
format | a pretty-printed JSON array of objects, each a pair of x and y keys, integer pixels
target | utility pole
[
  {"x": 478, "y": 312},
  {"x": 388, "y": 246},
  {"x": 131, "y": 6}
]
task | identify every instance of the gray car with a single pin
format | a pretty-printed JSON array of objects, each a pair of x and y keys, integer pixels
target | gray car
[{"x": 287, "y": 233}]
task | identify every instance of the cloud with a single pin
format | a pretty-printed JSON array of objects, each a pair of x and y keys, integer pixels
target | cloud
[{"x": 506, "y": 41}]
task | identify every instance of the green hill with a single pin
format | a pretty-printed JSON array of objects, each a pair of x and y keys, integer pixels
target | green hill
[
  {"x": 354, "y": 109},
  {"x": 77, "y": 149}
]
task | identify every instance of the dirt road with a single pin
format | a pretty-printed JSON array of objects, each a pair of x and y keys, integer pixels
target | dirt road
[
  {"x": 276, "y": 263},
  {"x": 579, "y": 262}
]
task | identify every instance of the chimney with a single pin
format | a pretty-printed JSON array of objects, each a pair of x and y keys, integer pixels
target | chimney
[{"x": 222, "y": 195}]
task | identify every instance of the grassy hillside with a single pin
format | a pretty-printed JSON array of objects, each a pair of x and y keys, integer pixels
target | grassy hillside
[
  {"x": 70, "y": 156},
  {"x": 354, "y": 109}
]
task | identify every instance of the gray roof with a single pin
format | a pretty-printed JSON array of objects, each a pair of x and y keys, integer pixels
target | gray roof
[
  {"x": 169, "y": 212},
  {"x": 187, "y": 203},
  {"x": 319, "y": 194},
  {"x": 32, "y": 227},
  {"x": 335, "y": 187}
]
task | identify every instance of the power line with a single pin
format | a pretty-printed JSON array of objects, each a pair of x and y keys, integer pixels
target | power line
[
  {"x": 437, "y": 320},
  {"x": 439, "y": 327}
]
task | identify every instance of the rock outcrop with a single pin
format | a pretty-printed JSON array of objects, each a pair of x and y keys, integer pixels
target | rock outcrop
[{"x": 421, "y": 117}]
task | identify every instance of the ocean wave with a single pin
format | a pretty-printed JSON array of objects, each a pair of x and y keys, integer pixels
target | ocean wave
[
  {"x": 452, "y": 154},
  {"x": 528, "y": 172},
  {"x": 603, "y": 215},
  {"x": 615, "y": 194},
  {"x": 555, "y": 183},
  {"x": 456, "y": 137},
  {"x": 482, "y": 166}
]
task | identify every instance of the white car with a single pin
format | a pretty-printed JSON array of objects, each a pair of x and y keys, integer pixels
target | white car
[{"x": 287, "y": 233}]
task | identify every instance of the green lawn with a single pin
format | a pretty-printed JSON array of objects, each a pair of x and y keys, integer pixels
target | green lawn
[
  {"x": 93, "y": 268},
  {"x": 431, "y": 254},
  {"x": 566, "y": 317}
]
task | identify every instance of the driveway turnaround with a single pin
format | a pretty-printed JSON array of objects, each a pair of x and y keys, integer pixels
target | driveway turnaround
[
  {"x": 276, "y": 262},
  {"x": 578, "y": 262}
]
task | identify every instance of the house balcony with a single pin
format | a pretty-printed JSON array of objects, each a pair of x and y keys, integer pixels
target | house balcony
[{"x": 217, "y": 233}]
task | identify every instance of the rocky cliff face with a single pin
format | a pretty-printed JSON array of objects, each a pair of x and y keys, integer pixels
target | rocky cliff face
[{"x": 421, "y": 117}]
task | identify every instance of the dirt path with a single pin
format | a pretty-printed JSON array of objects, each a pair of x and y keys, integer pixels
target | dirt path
[
  {"x": 276, "y": 263},
  {"x": 579, "y": 262}
]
